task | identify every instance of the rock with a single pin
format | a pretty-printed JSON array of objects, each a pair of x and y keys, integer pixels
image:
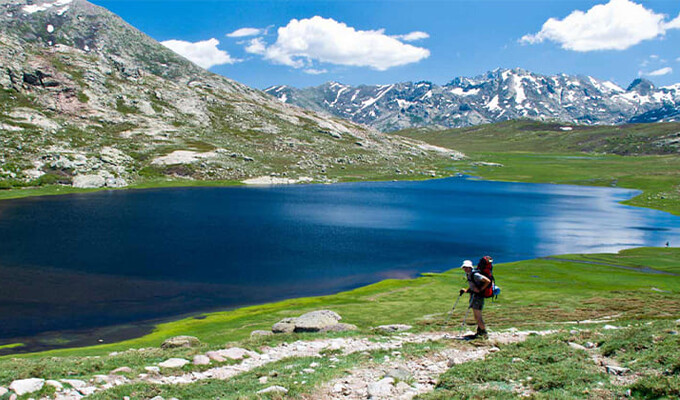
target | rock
[
  {"x": 3, "y": 391},
  {"x": 213, "y": 355},
  {"x": 308, "y": 370},
  {"x": 380, "y": 389},
  {"x": 576, "y": 346},
  {"x": 114, "y": 182},
  {"x": 614, "y": 370},
  {"x": 173, "y": 363},
  {"x": 340, "y": 327},
  {"x": 263, "y": 379},
  {"x": 13, "y": 396},
  {"x": 55, "y": 384},
  {"x": 403, "y": 387},
  {"x": 24, "y": 386},
  {"x": 399, "y": 374},
  {"x": 315, "y": 321},
  {"x": 393, "y": 328},
  {"x": 152, "y": 370},
  {"x": 88, "y": 181},
  {"x": 235, "y": 353},
  {"x": 261, "y": 333},
  {"x": 286, "y": 325},
  {"x": 201, "y": 360},
  {"x": 517, "y": 360},
  {"x": 590, "y": 345},
  {"x": 180, "y": 341},
  {"x": 273, "y": 389},
  {"x": 157, "y": 398},
  {"x": 494, "y": 350},
  {"x": 314, "y": 365},
  {"x": 121, "y": 370},
  {"x": 610, "y": 327}
]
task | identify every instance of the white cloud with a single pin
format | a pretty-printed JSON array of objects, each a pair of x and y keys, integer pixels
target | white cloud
[
  {"x": 325, "y": 40},
  {"x": 243, "y": 32},
  {"x": 313, "y": 71},
  {"x": 660, "y": 72},
  {"x": 412, "y": 37},
  {"x": 616, "y": 25},
  {"x": 204, "y": 53},
  {"x": 256, "y": 46}
]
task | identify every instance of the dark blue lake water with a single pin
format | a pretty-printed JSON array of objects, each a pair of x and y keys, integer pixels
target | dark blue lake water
[{"x": 92, "y": 260}]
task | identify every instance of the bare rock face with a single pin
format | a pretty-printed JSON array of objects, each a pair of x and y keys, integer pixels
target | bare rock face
[{"x": 180, "y": 341}]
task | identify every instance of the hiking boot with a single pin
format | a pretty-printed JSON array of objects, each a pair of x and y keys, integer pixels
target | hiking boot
[{"x": 481, "y": 334}]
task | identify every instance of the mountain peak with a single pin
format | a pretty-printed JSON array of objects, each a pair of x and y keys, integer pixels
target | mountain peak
[{"x": 641, "y": 86}]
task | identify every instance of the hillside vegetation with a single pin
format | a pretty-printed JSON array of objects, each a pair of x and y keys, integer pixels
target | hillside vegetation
[{"x": 640, "y": 156}]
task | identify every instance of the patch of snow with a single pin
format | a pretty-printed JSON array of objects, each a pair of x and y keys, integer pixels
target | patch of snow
[
  {"x": 404, "y": 103},
  {"x": 460, "y": 92},
  {"x": 372, "y": 100},
  {"x": 519, "y": 90},
  {"x": 338, "y": 95},
  {"x": 355, "y": 95},
  {"x": 566, "y": 128},
  {"x": 50, "y": 28},
  {"x": 62, "y": 11},
  {"x": 493, "y": 104},
  {"x": 283, "y": 98},
  {"x": 427, "y": 95}
]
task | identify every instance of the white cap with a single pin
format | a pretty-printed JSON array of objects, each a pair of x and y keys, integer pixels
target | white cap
[{"x": 467, "y": 264}]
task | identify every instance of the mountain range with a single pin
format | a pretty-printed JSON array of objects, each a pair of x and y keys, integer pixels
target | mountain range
[
  {"x": 499, "y": 95},
  {"x": 90, "y": 101}
]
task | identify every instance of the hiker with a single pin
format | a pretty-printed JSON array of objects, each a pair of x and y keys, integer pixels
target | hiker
[{"x": 476, "y": 285}]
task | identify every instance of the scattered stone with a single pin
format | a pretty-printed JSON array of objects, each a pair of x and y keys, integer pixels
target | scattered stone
[
  {"x": 263, "y": 379},
  {"x": 590, "y": 345},
  {"x": 610, "y": 327},
  {"x": 121, "y": 370},
  {"x": 614, "y": 370},
  {"x": 152, "y": 369},
  {"x": 235, "y": 353},
  {"x": 180, "y": 341},
  {"x": 201, "y": 360},
  {"x": 3, "y": 391},
  {"x": 399, "y": 374},
  {"x": 380, "y": 389},
  {"x": 213, "y": 355},
  {"x": 393, "y": 328},
  {"x": 273, "y": 389},
  {"x": 261, "y": 333},
  {"x": 157, "y": 398},
  {"x": 494, "y": 349},
  {"x": 24, "y": 386},
  {"x": 13, "y": 396},
  {"x": 173, "y": 363},
  {"x": 517, "y": 360},
  {"x": 576, "y": 346},
  {"x": 314, "y": 365},
  {"x": 308, "y": 370},
  {"x": 55, "y": 384}
]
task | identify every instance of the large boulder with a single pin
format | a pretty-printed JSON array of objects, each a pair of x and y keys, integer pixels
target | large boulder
[
  {"x": 88, "y": 181},
  {"x": 286, "y": 325},
  {"x": 180, "y": 341},
  {"x": 316, "y": 321},
  {"x": 25, "y": 386},
  {"x": 340, "y": 327}
]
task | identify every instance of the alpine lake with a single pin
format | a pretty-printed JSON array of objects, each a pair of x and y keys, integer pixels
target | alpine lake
[{"x": 105, "y": 266}]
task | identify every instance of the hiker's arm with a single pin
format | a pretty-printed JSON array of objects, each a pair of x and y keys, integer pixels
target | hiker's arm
[{"x": 485, "y": 282}]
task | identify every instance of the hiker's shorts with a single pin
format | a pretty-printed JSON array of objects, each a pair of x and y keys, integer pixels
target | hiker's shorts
[{"x": 476, "y": 302}]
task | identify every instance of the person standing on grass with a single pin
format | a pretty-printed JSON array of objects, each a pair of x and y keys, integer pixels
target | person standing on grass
[{"x": 476, "y": 285}]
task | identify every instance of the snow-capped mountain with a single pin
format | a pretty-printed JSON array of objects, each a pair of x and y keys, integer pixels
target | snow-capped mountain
[{"x": 499, "y": 95}]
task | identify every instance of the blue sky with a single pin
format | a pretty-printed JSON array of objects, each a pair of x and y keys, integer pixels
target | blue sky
[{"x": 618, "y": 40}]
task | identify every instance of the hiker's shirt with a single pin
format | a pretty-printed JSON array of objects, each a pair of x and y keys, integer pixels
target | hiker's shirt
[{"x": 475, "y": 281}]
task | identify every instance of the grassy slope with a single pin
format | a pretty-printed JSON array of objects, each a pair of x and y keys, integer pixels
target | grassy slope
[{"x": 623, "y": 156}]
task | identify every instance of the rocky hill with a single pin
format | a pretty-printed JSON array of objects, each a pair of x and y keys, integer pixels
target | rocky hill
[
  {"x": 87, "y": 100},
  {"x": 498, "y": 95}
]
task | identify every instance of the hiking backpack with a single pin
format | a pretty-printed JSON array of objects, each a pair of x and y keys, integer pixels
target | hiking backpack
[{"x": 485, "y": 267}]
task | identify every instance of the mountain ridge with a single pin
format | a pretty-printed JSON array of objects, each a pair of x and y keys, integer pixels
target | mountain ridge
[
  {"x": 90, "y": 101},
  {"x": 498, "y": 95}
]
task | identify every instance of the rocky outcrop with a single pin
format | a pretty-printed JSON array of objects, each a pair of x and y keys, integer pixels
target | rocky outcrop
[
  {"x": 180, "y": 341},
  {"x": 315, "y": 321},
  {"x": 25, "y": 386}
]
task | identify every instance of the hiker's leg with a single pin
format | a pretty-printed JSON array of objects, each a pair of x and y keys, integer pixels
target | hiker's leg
[{"x": 479, "y": 319}]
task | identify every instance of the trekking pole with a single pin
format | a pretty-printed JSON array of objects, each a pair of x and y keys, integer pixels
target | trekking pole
[
  {"x": 462, "y": 325},
  {"x": 450, "y": 313}
]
